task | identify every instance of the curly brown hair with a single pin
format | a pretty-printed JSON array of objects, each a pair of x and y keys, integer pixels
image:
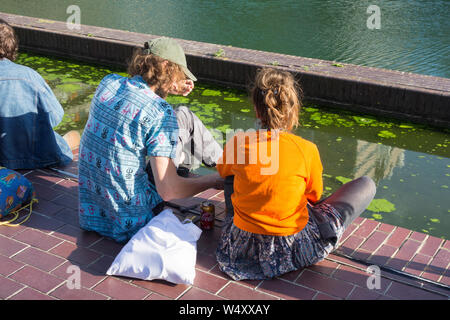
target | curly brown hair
[
  {"x": 9, "y": 44},
  {"x": 155, "y": 71},
  {"x": 277, "y": 99}
]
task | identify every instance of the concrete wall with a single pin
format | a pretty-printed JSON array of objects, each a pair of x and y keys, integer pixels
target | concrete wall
[{"x": 401, "y": 95}]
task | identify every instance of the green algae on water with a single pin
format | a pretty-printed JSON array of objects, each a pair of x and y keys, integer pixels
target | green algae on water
[{"x": 381, "y": 205}]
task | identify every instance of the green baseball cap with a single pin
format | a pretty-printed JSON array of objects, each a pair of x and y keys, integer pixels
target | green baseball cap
[{"x": 169, "y": 49}]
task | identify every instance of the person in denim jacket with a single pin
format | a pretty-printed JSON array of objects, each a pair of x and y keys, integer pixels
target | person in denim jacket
[{"x": 28, "y": 112}]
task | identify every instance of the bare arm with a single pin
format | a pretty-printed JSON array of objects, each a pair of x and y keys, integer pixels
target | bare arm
[{"x": 171, "y": 186}]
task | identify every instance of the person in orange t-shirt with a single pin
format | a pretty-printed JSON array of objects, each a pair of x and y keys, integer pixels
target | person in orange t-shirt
[{"x": 275, "y": 221}]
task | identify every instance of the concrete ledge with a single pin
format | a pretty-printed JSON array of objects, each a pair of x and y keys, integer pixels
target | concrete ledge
[{"x": 401, "y": 95}]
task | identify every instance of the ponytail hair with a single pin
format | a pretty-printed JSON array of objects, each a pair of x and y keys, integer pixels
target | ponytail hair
[{"x": 277, "y": 99}]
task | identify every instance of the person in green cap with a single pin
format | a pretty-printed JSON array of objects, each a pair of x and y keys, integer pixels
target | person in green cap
[{"x": 134, "y": 142}]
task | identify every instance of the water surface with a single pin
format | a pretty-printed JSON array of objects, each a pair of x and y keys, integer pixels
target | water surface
[{"x": 414, "y": 35}]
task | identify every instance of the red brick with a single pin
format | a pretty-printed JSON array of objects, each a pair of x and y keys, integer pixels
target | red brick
[
  {"x": 359, "y": 278},
  {"x": 197, "y": 294},
  {"x": 397, "y": 237},
  {"x": 234, "y": 291},
  {"x": 325, "y": 266},
  {"x": 351, "y": 244},
  {"x": 361, "y": 254},
  {"x": 8, "y": 287},
  {"x": 384, "y": 227},
  {"x": 67, "y": 186},
  {"x": 44, "y": 192},
  {"x": 75, "y": 254},
  {"x": 88, "y": 277},
  {"x": 8, "y": 246},
  {"x": 64, "y": 293},
  {"x": 205, "y": 261},
  {"x": 418, "y": 236},
  {"x": 107, "y": 247},
  {"x": 68, "y": 216},
  {"x": 292, "y": 275},
  {"x": 209, "y": 282},
  {"x": 119, "y": 289},
  {"x": 324, "y": 284},
  {"x": 9, "y": 265},
  {"x": 323, "y": 296},
  {"x": 363, "y": 294},
  {"x": 38, "y": 176},
  {"x": 165, "y": 288},
  {"x": 418, "y": 264},
  {"x": 47, "y": 208},
  {"x": 43, "y": 223},
  {"x": 446, "y": 244},
  {"x": 366, "y": 228},
  {"x": 67, "y": 201},
  {"x": 286, "y": 290},
  {"x": 30, "y": 294},
  {"x": 37, "y": 239},
  {"x": 349, "y": 231},
  {"x": 406, "y": 292},
  {"x": 430, "y": 246},
  {"x": 374, "y": 241},
  {"x": 38, "y": 258},
  {"x": 76, "y": 235},
  {"x": 439, "y": 263},
  {"x": 102, "y": 265},
  {"x": 404, "y": 255},
  {"x": 36, "y": 279},
  {"x": 358, "y": 221},
  {"x": 208, "y": 193},
  {"x": 382, "y": 255},
  {"x": 431, "y": 275},
  {"x": 10, "y": 232},
  {"x": 155, "y": 296}
]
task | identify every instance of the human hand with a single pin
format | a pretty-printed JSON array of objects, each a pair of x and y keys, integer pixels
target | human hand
[{"x": 182, "y": 88}]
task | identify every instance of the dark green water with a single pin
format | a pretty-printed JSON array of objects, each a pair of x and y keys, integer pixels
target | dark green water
[
  {"x": 414, "y": 35},
  {"x": 410, "y": 163}
]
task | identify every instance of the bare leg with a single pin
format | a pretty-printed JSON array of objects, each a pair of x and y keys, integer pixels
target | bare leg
[{"x": 352, "y": 198}]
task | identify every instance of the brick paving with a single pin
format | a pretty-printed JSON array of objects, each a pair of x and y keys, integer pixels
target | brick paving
[{"x": 35, "y": 259}]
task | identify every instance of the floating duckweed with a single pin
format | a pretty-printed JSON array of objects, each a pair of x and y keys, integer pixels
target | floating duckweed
[
  {"x": 343, "y": 180},
  {"x": 386, "y": 134},
  {"x": 435, "y": 220},
  {"x": 211, "y": 93},
  {"x": 232, "y": 99},
  {"x": 377, "y": 216},
  {"x": 245, "y": 110},
  {"x": 381, "y": 205},
  {"x": 177, "y": 99},
  {"x": 444, "y": 186}
]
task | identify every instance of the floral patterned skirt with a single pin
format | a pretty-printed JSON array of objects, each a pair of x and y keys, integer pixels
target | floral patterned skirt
[{"x": 245, "y": 255}]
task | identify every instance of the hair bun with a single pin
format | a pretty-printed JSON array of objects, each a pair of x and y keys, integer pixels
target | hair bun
[{"x": 146, "y": 45}]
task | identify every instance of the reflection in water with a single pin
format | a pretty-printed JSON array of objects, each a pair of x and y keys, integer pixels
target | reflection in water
[
  {"x": 414, "y": 34},
  {"x": 377, "y": 161}
]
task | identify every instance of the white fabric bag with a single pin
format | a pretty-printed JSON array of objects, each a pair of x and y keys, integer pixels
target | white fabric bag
[{"x": 164, "y": 249}]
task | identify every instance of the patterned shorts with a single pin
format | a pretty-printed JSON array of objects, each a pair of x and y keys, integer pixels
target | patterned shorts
[{"x": 245, "y": 255}]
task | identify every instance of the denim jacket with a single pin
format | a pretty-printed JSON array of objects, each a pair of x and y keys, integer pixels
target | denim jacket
[{"x": 28, "y": 112}]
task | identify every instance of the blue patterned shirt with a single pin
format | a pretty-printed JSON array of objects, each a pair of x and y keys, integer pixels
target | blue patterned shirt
[{"x": 127, "y": 122}]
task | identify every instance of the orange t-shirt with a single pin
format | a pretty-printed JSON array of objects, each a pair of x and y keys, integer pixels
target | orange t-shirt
[{"x": 275, "y": 174}]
